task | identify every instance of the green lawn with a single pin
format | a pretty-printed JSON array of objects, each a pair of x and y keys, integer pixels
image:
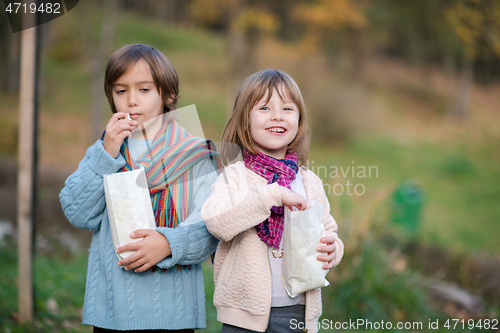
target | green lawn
[
  {"x": 460, "y": 187},
  {"x": 58, "y": 280}
]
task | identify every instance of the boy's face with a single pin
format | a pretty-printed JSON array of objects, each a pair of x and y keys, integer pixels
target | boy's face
[{"x": 135, "y": 93}]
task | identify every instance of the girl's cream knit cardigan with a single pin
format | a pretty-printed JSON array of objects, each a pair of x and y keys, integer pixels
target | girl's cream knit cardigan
[{"x": 240, "y": 200}]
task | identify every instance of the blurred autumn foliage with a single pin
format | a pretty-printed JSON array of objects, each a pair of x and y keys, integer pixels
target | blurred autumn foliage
[
  {"x": 464, "y": 35},
  {"x": 459, "y": 38},
  {"x": 477, "y": 24}
]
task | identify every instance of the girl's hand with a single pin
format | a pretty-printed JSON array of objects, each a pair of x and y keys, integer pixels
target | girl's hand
[
  {"x": 290, "y": 198},
  {"x": 329, "y": 248},
  {"x": 149, "y": 251},
  {"x": 117, "y": 130}
]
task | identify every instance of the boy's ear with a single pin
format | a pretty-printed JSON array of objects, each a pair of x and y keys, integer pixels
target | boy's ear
[
  {"x": 169, "y": 101},
  {"x": 169, "y": 97}
]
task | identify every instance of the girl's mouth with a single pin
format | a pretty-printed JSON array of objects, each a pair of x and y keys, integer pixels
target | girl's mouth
[
  {"x": 134, "y": 115},
  {"x": 276, "y": 129}
]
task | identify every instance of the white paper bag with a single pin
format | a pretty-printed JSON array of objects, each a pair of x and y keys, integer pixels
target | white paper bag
[
  {"x": 302, "y": 270},
  {"x": 129, "y": 206}
]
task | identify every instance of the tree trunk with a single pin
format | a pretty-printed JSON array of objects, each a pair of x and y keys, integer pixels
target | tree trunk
[
  {"x": 242, "y": 49},
  {"x": 355, "y": 50},
  {"x": 237, "y": 43},
  {"x": 448, "y": 66},
  {"x": 467, "y": 74},
  {"x": 27, "y": 156}
]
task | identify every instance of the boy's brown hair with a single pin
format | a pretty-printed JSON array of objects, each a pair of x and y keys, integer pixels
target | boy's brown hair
[
  {"x": 253, "y": 89},
  {"x": 164, "y": 74}
]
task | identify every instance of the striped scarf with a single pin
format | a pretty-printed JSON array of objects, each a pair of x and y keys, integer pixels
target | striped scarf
[
  {"x": 168, "y": 163},
  {"x": 278, "y": 171}
]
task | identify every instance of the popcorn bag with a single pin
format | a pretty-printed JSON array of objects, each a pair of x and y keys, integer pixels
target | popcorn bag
[
  {"x": 302, "y": 270},
  {"x": 129, "y": 206}
]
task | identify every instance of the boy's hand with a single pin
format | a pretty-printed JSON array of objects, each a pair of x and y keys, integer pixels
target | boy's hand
[
  {"x": 290, "y": 198},
  {"x": 117, "y": 130},
  {"x": 329, "y": 248},
  {"x": 149, "y": 251}
]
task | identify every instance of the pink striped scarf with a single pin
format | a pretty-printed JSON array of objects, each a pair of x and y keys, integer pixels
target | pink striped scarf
[{"x": 278, "y": 171}]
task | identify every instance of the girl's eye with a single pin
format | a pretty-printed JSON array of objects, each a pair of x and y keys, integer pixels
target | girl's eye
[
  {"x": 265, "y": 108},
  {"x": 288, "y": 109}
]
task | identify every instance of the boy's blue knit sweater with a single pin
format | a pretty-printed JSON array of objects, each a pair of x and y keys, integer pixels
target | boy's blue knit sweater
[{"x": 125, "y": 300}]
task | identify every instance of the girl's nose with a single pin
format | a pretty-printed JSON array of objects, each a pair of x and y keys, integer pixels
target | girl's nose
[{"x": 277, "y": 114}]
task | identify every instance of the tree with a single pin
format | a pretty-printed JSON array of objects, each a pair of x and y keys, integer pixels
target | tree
[
  {"x": 245, "y": 22},
  {"x": 477, "y": 25},
  {"x": 96, "y": 51},
  {"x": 325, "y": 20}
]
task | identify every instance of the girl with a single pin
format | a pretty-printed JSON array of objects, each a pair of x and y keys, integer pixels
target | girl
[
  {"x": 160, "y": 286},
  {"x": 245, "y": 209}
]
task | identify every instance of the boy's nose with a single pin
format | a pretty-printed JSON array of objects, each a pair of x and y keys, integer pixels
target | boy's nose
[{"x": 132, "y": 101}]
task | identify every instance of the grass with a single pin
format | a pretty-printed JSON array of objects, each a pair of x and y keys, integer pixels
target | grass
[
  {"x": 213, "y": 326},
  {"x": 460, "y": 192},
  {"x": 57, "y": 280},
  {"x": 372, "y": 290},
  {"x": 61, "y": 280}
]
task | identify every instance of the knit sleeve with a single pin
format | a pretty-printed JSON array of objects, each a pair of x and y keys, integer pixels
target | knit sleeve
[
  {"x": 82, "y": 198},
  {"x": 190, "y": 242},
  {"x": 235, "y": 205}
]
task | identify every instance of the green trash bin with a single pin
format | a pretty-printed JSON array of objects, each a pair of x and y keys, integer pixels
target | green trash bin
[{"x": 407, "y": 203}]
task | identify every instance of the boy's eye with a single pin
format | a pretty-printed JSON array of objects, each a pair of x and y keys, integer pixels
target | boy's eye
[
  {"x": 120, "y": 91},
  {"x": 145, "y": 89}
]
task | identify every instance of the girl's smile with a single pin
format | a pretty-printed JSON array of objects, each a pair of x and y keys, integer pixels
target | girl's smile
[
  {"x": 276, "y": 129},
  {"x": 274, "y": 125}
]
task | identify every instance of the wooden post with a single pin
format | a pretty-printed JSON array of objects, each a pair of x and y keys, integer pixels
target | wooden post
[{"x": 26, "y": 175}]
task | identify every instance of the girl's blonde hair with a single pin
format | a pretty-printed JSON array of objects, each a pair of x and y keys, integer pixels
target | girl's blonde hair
[
  {"x": 253, "y": 89},
  {"x": 163, "y": 72}
]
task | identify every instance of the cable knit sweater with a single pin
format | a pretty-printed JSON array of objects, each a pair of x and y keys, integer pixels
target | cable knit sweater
[
  {"x": 125, "y": 300},
  {"x": 240, "y": 200}
]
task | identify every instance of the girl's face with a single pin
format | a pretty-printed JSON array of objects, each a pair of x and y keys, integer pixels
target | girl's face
[
  {"x": 274, "y": 125},
  {"x": 135, "y": 93}
]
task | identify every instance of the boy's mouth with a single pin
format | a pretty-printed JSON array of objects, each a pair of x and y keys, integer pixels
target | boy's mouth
[{"x": 276, "y": 129}]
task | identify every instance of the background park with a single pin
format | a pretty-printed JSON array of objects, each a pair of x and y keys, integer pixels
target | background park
[{"x": 409, "y": 90}]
